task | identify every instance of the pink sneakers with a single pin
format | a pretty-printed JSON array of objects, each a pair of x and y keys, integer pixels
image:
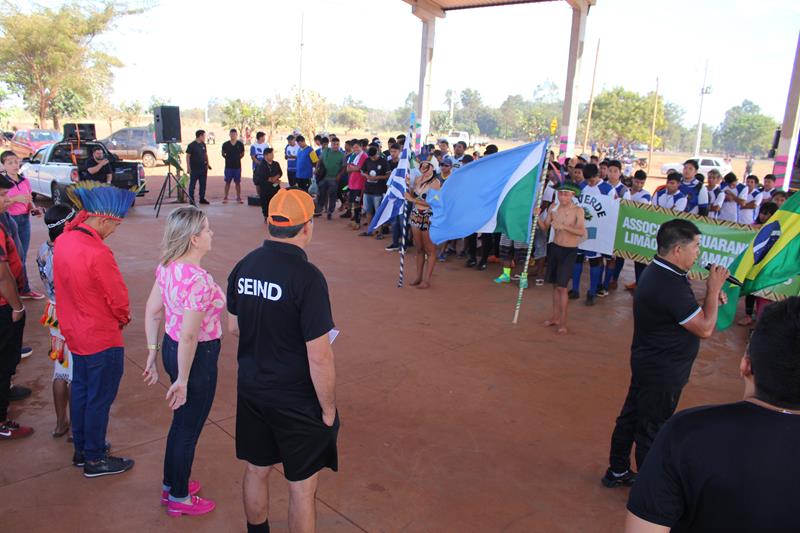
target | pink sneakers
[
  {"x": 197, "y": 507},
  {"x": 194, "y": 488}
]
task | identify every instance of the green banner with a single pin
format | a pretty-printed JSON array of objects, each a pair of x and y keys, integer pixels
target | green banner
[{"x": 720, "y": 243}]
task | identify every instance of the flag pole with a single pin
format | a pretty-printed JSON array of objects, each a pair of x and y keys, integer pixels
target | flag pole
[
  {"x": 537, "y": 200},
  {"x": 403, "y": 214}
]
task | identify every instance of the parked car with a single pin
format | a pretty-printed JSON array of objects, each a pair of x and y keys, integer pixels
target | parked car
[
  {"x": 136, "y": 144},
  {"x": 26, "y": 142},
  {"x": 55, "y": 167},
  {"x": 706, "y": 164}
]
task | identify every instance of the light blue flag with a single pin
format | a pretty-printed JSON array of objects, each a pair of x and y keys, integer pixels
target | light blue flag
[{"x": 495, "y": 194}]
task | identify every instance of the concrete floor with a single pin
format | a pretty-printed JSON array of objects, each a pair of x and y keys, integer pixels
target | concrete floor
[{"x": 452, "y": 418}]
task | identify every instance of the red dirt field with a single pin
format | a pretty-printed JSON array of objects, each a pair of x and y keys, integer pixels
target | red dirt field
[{"x": 452, "y": 418}]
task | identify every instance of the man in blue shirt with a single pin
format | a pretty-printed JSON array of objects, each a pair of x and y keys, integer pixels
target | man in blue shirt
[{"x": 305, "y": 166}]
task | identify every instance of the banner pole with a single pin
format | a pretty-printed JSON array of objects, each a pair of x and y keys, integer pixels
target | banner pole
[
  {"x": 534, "y": 223},
  {"x": 403, "y": 215}
]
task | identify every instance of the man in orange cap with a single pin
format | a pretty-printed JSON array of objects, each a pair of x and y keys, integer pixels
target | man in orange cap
[{"x": 279, "y": 308}]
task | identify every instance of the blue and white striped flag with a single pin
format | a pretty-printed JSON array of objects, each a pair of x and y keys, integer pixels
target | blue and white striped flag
[{"x": 394, "y": 199}]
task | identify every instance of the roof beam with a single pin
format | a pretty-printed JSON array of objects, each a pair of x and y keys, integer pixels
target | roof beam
[{"x": 426, "y": 9}]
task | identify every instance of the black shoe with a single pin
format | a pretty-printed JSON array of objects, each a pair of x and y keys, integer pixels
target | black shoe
[
  {"x": 574, "y": 295},
  {"x": 18, "y": 392},
  {"x": 79, "y": 460},
  {"x": 470, "y": 263},
  {"x": 482, "y": 265},
  {"x": 26, "y": 351},
  {"x": 625, "y": 480},
  {"x": 329, "y": 216},
  {"x": 590, "y": 299},
  {"x": 107, "y": 466},
  {"x": 392, "y": 247},
  {"x": 203, "y": 201},
  {"x": 602, "y": 293},
  {"x": 379, "y": 236},
  {"x": 346, "y": 214}
]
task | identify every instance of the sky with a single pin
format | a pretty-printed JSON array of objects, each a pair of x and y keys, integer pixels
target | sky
[{"x": 190, "y": 52}]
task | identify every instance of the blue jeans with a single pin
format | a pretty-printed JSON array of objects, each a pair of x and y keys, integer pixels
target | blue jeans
[
  {"x": 24, "y": 233},
  {"x": 188, "y": 420},
  {"x": 371, "y": 203},
  {"x": 193, "y": 179},
  {"x": 95, "y": 381}
]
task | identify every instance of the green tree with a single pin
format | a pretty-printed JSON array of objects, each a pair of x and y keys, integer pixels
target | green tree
[
  {"x": 131, "y": 112},
  {"x": 745, "y": 130},
  {"x": 350, "y": 117},
  {"x": 274, "y": 113},
  {"x": 68, "y": 103},
  {"x": 238, "y": 113},
  {"x": 622, "y": 115},
  {"x": 672, "y": 134},
  {"x": 48, "y": 51},
  {"x": 511, "y": 115},
  {"x": 440, "y": 122}
]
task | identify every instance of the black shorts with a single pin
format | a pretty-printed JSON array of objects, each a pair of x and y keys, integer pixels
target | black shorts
[
  {"x": 560, "y": 262},
  {"x": 294, "y": 436}
]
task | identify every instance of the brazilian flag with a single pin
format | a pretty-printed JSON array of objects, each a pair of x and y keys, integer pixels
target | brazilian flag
[{"x": 772, "y": 258}]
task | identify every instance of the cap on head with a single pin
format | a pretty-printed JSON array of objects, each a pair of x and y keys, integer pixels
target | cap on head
[
  {"x": 290, "y": 207},
  {"x": 570, "y": 186}
]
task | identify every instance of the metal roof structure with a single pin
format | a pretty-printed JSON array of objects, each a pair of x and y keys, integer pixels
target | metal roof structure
[{"x": 429, "y": 10}]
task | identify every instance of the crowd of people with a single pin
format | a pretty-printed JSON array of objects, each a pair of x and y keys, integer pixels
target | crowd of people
[{"x": 278, "y": 306}]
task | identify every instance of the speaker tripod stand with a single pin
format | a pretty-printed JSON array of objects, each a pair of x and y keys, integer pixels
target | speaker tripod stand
[{"x": 166, "y": 188}]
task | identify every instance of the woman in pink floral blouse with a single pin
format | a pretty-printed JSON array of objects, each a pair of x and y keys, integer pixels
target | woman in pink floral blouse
[{"x": 189, "y": 301}]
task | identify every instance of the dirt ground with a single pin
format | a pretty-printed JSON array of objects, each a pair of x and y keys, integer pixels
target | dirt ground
[{"x": 453, "y": 419}]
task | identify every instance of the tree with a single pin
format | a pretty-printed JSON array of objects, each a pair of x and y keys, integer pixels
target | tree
[
  {"x": 48, "y": 51},
  {"x": 440, "y": 121},
  {"x": 672, "y": 134},
  {"x": 309, "y": 112},
  {"x": 350, "y": 118},
  {"x": 511, "y": 115},
  {"x": 620, "y": 115},
  {"x": 238, "y": 113},
  {"x": 68, "y": 103},
  {"x": 274, "y": 113},
  {"x": 745, "y": 130},
  {"x": 131, "y": 111}
]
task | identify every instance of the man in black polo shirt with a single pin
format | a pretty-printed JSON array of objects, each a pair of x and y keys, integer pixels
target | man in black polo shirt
[
  {"x": 667, "y": 327},
  {"x": 96, "y": 167},
  {"x": 267, "y": 178},
  {"x": 197, "y": 163},
  {"x": 732, "y": 467},
  {"x": 286, "y": 409},
  {"x": 233, "y": 152}
]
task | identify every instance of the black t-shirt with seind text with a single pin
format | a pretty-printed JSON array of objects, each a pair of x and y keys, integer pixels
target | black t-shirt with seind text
[{"x": 281, "y": 301}]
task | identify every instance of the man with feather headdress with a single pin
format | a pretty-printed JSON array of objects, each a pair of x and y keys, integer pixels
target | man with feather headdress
[{"x": 93, "y": 308}]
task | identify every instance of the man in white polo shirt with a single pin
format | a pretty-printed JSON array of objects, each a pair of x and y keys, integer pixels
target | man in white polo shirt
[
  {"x": 749, "y": 201},
  {"x": 670, "y": 197}
]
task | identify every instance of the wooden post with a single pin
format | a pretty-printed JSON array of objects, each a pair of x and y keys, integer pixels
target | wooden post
[
  {"x": 591, "y": 99},
  {"x": 653, "y": 130}
]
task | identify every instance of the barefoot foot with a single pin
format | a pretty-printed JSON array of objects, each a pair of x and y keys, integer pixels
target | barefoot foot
[
  {"x": 549, "y": 323},
  {"x": 415, "y": 283},
  {"x": 424, "y": 285},
  {"x": 562, "y": 330}
]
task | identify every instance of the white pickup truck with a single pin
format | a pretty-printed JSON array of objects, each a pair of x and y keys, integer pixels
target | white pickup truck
[{"x": 53, "y": 168}]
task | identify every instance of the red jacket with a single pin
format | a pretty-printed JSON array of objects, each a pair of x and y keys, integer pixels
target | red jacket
[
  {"x": 8, "y": 254},
  {"x": 93, "y": 301}
]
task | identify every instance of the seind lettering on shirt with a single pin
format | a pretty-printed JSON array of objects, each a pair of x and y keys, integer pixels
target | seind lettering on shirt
[{"x": 262, "y": 289}]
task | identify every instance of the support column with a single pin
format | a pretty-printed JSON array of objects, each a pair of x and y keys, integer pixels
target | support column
[
  {"x": 569, "y": 117},
  {"x": 425, "y": 70},
  {"x": 787, "y": 146}
]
